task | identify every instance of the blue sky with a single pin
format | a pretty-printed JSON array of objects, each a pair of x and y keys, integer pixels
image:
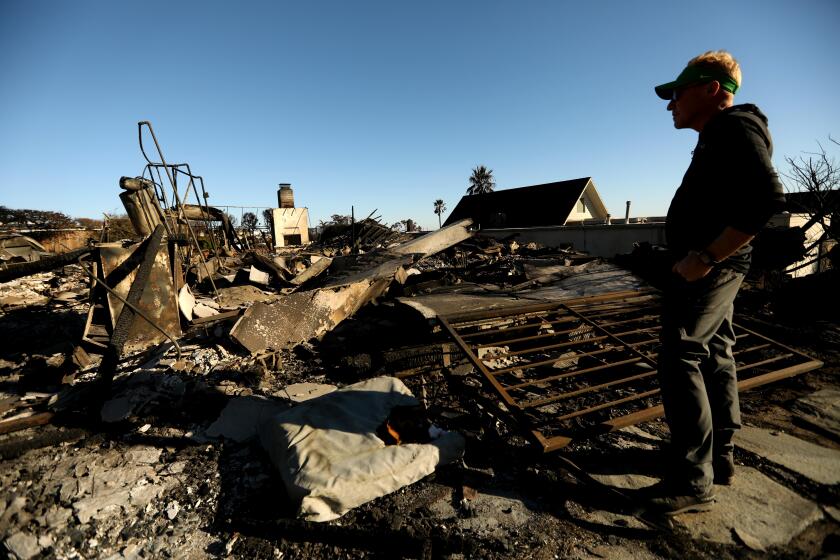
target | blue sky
[{"x": 387, "y": 105}]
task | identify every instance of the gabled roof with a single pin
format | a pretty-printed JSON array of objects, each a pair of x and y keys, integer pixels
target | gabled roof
[{"x": 548, "y": 204}]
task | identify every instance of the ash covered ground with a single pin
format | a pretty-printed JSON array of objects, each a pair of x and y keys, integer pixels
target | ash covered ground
[{"x": 151, "y": 482}]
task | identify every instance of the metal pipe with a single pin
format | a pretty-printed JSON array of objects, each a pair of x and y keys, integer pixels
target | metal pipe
[
  {"x": 602, "y": 406},
  {"x": 179, "y": 204},
  {"x": 751, "y": 349},
  {"x": 529, "y": 338},
  {"x": 519, "y": 327},
  {"x": 625, "y": 321},
  {"x": 765, "y": 362},
  {"x": 548, "y": 400},
  {"x": 575, "y": 373}
]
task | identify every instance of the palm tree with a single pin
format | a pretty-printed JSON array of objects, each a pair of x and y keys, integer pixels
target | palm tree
[
  {"x": 481, "y": 181},
  {"x": 440, "y": 208}
]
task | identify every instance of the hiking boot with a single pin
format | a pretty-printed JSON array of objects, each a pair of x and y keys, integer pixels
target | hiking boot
[
  {"x": 665, "y": 500},
  {"x": 724, "y": 471}
]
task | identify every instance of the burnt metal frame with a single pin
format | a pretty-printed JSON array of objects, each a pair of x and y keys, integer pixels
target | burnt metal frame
[
  {"x": 592, "y": 315},
  {"x": 172, "y": 171},
  {"x": 96, "y": 280}
]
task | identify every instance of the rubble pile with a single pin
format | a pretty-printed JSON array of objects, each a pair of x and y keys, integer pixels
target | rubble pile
[{"x": 194, "y": 394}]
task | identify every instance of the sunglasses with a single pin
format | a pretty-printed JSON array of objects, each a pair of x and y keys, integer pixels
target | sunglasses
[{"x": 677, "y": 92}]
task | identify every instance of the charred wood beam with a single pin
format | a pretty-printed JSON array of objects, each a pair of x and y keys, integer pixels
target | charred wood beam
[
  {"x": 14, "y": 448},
  {"x": 44, "y": 265},
  {"x": 16, "y": 424}
]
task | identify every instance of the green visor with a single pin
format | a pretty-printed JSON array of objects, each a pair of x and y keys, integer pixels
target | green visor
[{"x": 696, "y": 74}]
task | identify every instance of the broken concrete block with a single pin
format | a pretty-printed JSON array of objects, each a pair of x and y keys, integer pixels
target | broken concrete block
[
  {"x": 102, "y": 505},
  {"x": 144, "y": 455},
  {"x": 143, "y": 493},
  {"x": 46, "y": 541},
  {"x": 132, "y": 552},
  {"x": 301, "y": 316},
  {"x": 817, "y": 463},
  {"x": 23, "y": 545},
  {"x": 57, "y": 516}
]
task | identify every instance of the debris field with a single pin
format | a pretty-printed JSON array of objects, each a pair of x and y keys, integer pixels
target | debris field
[{"x": 199, "y": 392}]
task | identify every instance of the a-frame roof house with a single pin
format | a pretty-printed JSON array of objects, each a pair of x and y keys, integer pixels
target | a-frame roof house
[{"x": 550, "y": 204}]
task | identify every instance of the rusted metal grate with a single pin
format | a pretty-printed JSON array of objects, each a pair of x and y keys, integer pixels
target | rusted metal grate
[{"x": 588, "y": 365}]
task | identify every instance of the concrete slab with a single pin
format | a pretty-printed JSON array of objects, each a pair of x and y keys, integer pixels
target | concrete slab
[
  {"x": 436, "y": 241},
  {"x": 821, "y": 409},
  {"x": 430, "y": 306},
  {"x": 757, "y": 509},
  {"x": 301, "y": 316},
  {"x": 817, "y": 463},
  {"x": 317, "y": 267},
  {"x": 596, "y": 278},
  {"x": 23, "y": 545}
]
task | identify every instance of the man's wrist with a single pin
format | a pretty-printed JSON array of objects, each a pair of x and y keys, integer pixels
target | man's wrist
[{"x": 706, "y": 257}]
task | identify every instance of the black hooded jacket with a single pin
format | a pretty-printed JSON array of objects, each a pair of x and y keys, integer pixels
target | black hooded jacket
[{"x": 730, "y": 182}]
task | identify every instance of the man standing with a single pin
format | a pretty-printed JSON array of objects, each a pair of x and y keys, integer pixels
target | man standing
[{"x": 727, "y": 195}]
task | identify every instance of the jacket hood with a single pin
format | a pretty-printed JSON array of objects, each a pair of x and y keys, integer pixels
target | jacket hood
[{"x": 747, "y": 108}]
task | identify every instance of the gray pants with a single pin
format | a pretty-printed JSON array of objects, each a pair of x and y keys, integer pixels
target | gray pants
[{"x": 697, "y": 375}]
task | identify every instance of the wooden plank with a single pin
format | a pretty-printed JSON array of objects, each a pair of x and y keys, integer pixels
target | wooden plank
[{"x": 16, "y": 424}]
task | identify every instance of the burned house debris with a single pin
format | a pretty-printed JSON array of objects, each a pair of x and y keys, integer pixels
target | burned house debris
[{"x": 455, "y": 394}]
